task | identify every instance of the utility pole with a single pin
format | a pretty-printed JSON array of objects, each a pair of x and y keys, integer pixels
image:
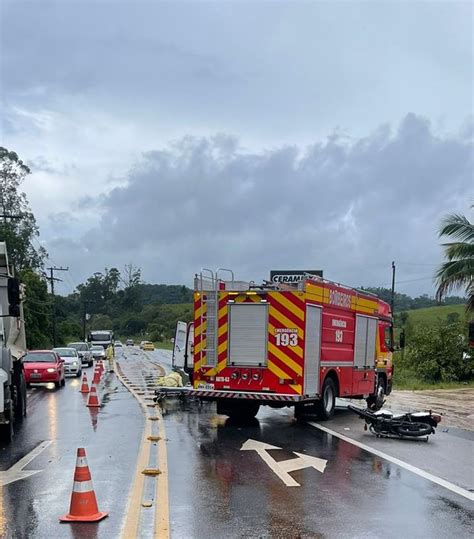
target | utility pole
[
  {"x": 392, "y": 305},
  {"x": 52, "y": 278},
  {"x": 392, "y": 300}
]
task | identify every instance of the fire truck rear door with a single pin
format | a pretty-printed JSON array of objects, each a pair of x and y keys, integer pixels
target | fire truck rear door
[
  {"x": 190, "y": 347},
  {"x": 312, "y": 351},
  {"x": 179, "y": 345}
]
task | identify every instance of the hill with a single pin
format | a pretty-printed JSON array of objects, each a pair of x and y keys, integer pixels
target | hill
[{"x": 430, "y": 315}]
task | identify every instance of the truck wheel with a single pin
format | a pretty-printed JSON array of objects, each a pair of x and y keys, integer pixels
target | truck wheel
[
  {"x": 6, "y": 429},
  {"x": 20, "y": 405},
  {"x": 326, "y": 405},
  {"x": 240, "y": 411},
  {"x": 376, "y": 401}
]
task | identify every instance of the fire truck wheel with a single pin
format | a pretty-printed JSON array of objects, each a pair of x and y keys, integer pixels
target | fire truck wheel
[
  {"x": 375, "y": 402},
  {"x": 325, "y": 407},
  {"x": 241, "y": 411}
]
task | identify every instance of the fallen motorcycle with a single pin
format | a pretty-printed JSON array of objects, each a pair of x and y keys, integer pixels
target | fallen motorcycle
[{"x": 386, "y": 424}]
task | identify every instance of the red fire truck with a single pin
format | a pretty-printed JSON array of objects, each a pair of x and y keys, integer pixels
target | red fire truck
[{"x": 280, "y": 345}]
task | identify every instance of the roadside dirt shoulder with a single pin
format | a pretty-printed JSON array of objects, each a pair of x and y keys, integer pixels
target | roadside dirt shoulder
[{"x": 456, "y": 406}]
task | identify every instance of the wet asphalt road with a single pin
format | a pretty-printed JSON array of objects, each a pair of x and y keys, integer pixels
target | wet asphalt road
[
  {"x": 31, "y": 507},
  {"x": 217, "y": 490}
]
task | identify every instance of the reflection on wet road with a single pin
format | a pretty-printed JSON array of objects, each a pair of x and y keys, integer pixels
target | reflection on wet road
[
  {"x": 217, "y": 490},
  {"x": 303, "y": 482},
  {"x": 30, "y": 507}
]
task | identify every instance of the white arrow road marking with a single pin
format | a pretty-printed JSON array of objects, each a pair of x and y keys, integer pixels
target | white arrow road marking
[
  {"x": 283, "y": 467},
  {"x": 16, "y": 472}
]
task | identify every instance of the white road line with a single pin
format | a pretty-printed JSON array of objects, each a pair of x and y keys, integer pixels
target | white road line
[
  {"x": 31, "y": 455},
  {"x": 426, "y": 475},
  {"x": 16, "y": 472}
]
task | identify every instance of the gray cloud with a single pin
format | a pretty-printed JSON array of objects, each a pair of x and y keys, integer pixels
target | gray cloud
[
  {"x": 347, "y": 206},
  {"x": 92, "y": 93}
]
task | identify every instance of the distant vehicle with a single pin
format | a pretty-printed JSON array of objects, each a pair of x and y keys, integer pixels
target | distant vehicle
[
  {"x": 148, "y": 346},
  {"x": 98, "y": 351},
  {"x": 103, "y": 337},
  {"x": 42, "y": 366},
  {"x": 130, "y": 342},
  {"x": 118, "y": 344},
  {"x": 72, "y": 361},
  {"x": 84, "y": 352},
  {"x": 141, "y": 344}
]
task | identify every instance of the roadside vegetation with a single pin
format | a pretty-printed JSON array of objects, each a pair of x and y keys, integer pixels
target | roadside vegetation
[{"x": 436, "y": 353}]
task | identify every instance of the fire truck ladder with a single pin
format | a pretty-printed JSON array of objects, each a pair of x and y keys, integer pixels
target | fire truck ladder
[{"x": 209, "y": 293}]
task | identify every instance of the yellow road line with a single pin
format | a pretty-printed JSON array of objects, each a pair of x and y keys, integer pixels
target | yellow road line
[{"x": 132, "y": 519}]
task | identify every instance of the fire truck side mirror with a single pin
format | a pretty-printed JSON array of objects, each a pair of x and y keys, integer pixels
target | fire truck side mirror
[{"x": 14, "y": 297}]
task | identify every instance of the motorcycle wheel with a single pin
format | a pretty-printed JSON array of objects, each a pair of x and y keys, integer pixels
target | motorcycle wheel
[{"x": 414, "y": 429}]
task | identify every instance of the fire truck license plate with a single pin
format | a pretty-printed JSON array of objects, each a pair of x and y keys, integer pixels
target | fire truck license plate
[{"x": 205, "y": 386}]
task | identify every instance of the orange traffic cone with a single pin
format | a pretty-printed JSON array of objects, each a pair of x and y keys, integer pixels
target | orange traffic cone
[
  {"x": 101, "y": 365},
  {"x": 96, "y": 379},
  {"x": 83, "y": 506},
  {"x": 84, "y": 386},
  {"x": 93, "y": 401}
]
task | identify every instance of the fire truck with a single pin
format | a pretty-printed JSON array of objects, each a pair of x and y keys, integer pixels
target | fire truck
[{"x": 280, "y": 345}]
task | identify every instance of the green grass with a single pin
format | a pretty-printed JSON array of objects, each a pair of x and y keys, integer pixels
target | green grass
[
  {"x": 166, "y": 345},
  {"x": 431, "y": 315},
  {"x": 404, "y": 378}
]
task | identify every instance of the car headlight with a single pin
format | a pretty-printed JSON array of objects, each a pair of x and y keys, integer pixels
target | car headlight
[
  {"x": 74, "y": 363},
  {"x": 50, "y": 370}
]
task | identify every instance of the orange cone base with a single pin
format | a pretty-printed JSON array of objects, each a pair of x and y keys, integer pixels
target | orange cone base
[
  {"x": 89, "y": 518},
  {"x": 93, "y": 405}
]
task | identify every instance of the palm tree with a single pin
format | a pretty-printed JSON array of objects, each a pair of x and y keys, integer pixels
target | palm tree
[{"x": 458, "y": 271}]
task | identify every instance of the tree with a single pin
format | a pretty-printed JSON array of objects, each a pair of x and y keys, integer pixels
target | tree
[
  {"x": 18, "y": 226},
  {"x": 458, "y": 271},
  {"x": 131, "y": 295},
  {"x": 436, "y": 353},
  {"x": 37, "y": 310}
]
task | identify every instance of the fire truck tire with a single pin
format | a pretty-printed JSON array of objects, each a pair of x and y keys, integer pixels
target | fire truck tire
[
  {"x": 238, "y": 410},
  {"x": 325, "y": 407},
  {"x": 376, "y": 401}
]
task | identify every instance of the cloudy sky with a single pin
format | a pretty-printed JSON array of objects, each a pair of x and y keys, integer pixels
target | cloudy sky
[{"x": 248, "y": 135}]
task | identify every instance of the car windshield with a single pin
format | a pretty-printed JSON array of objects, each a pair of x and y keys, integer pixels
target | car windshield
[
  {"x": 97, "y": 348},
  {"x": 66, "y": 352},
  {"x": 39, "y": 357},
  {"x": 79, "y": 346}
]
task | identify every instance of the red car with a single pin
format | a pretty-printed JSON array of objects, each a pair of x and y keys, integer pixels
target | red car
[{"x": 43, "y": 366}]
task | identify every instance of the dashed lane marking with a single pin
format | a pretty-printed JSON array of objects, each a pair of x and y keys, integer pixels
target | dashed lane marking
[{"x": 426, "y": 475}]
